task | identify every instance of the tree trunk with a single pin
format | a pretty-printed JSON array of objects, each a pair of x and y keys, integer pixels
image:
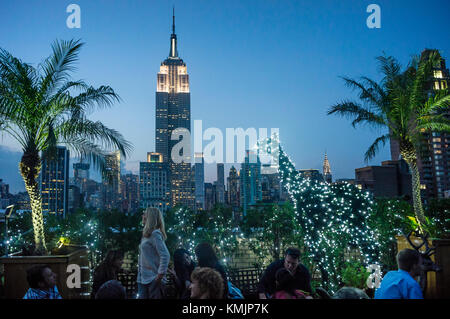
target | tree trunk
[
  {"x": 30, "y": 166},
  {"x": 409, "y": 155}
]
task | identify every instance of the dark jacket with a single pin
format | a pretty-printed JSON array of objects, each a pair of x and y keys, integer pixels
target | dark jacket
[{"x": 267, "y": 283}]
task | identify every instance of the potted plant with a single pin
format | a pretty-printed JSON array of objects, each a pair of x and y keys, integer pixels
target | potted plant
[{"x": 41, "y": 108}]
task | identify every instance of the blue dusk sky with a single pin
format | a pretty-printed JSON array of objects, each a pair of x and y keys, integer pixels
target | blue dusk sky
[{"x": 252, "y": 63}]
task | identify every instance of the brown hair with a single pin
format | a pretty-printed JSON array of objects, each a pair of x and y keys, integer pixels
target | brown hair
[{"x": 209, "y": 281}]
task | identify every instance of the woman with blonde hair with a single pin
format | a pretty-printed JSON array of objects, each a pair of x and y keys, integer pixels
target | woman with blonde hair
[{"x": 153, "y": 255}]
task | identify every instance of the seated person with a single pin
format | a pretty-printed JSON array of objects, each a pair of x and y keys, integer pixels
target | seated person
[
  {"x": 206, "y": 283},
  {"x": 107, "y": 270},
  {"x": 400, "y": 284},
  {"x": 111, "y": 289},
  {"x": 301, "y": 277},
  {"x": 350, "y": 293},
  {"x": 184, "y": 266},
  {"x": 285, "y": 288},
  {"x": 42, "y": 282}
]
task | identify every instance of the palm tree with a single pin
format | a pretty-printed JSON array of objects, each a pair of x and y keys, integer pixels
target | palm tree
[
  {"x": 41, "y": 107},
  {"x": 404, "y": 104}
]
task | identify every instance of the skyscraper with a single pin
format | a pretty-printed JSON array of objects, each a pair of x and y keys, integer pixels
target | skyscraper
[
  {"x": 199, "y": 179},
  {"x": 250, "y": 181},
  {"x": 220, "y": 185},
  {"x": 111, "y": 181},
  {"x": 327, "y": 170},
  {"x": 54, "y": 182},
  {"x": 233, "y": 188},
  {"x": 173, "y": 111}
]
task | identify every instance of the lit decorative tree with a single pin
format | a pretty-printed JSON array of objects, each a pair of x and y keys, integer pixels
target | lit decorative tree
[
  {"x": 191, "y": 228},
  {"x": 270, "y": 228},
  {"x": 332, "y": 217}
]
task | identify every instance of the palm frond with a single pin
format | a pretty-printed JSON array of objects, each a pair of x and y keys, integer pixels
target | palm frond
[
  {"x": 57, "y": 67},
  {"x": 373, "y": 149},
  {"x": 357, "y": 113}
]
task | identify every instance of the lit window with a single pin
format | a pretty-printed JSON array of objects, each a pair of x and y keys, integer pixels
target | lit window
[
  {"x": 438, "y": 74},
  {"x": 436, "y": 85}
]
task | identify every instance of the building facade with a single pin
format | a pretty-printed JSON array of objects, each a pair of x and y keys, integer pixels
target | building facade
[
  {"x": 54, "y": 182},
  {"x": 154, "y": 182},
  {"x": 391, "y": 179}
]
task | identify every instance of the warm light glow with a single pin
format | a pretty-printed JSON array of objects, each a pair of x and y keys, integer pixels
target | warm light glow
[{"x": 437, "y": 74}]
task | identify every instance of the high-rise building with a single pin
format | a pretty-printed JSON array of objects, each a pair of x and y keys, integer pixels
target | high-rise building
[
  {"x": 233, "y": 188},
  {"x": 111, "y": 181},
  {"x": 81, "y": 178},
  {"x": 4, "y": 195},
  {"x": 210, "y": 198},
  {"x": 154, "y": 182},
  {"x": 54, "y": 182},
  {"x": 199, "y": 180},
  {"x": 75, "y": 199},
  {"x": 173, "y": 111},
  {"x": 434, "y": 152},
  {"x": 271, "y": 187},
  {"x": 327, "y": 170},
  {"x": 250, "y": 181},
  {"x": 220, "y": 185},
  {"x": 130, "y": 192}
]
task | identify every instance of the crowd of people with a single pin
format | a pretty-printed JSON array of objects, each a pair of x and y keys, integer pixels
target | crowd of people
[{"x": 286, "y": 278}]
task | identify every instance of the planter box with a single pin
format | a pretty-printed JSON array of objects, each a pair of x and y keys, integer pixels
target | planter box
[
  {"x": 438, "y": 284},
  {"x": 15, "y": 267},
  {"x": 442, "y": 258}
]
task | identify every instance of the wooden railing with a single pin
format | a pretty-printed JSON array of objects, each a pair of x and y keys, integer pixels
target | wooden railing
[{"x": 244, "y": 279}]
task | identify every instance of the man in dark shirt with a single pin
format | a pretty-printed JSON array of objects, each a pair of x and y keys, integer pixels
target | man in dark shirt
[{"x": 291, "y": 261}]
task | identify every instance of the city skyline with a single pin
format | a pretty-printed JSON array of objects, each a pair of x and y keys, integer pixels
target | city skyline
[{"x": 305, "y": 141}]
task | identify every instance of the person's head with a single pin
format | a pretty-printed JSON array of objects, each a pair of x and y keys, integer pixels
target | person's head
[
  {"x": 206, "y": 256},
  {"x": 152, "y": 219},
  {"x": 206, "y": 283},
  {"x": 284, "y": 280},
  {"x": 350, "y": 293},
  {"x": 111, "y": 289},
  {"x": 181, "y": 258},
  {"x": 114, "y": 259},
  {"x": 41, "y": 277},
  {"x": 291, "y": 259},
  {"x": 410, "y": 260}
]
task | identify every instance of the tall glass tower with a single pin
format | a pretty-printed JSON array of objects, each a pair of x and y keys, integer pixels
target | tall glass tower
[{"x": 173, "y": 110}]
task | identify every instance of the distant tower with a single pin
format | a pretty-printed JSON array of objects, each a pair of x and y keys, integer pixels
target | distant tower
[
  {"x": 327, "y": 170},
  {"x": 220, "y": 189}
]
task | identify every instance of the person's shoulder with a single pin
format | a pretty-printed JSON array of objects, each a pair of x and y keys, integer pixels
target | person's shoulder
[
  {"x": 303, "y": 268},
  {"x": 276, "y": 264},
  {"x": 157, "y": 234}
]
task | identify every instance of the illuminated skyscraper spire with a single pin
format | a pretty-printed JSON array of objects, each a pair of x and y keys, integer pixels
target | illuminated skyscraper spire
[
  {"x": 327, "y": 169},
  {"x": 173, "y": 39}
]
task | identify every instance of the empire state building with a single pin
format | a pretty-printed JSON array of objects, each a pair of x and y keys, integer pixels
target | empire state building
[{"x": 173, "y": 110}]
